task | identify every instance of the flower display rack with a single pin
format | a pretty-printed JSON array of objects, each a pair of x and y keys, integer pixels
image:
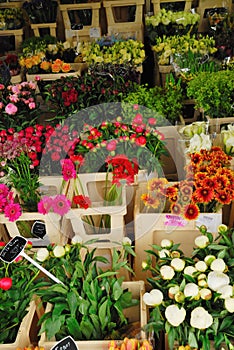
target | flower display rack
[
  {"x": 204, "y": 6},
  {"x": 134, "y": 314},
  {"x": 23, "y": 336},
  {"x": 158, "y": 3},
  {"x": 151, "y": 228},
  {"x": 89, "y": 31},
  {"x": 117, "y": 18},
  {"x": 37, "y": 26}
]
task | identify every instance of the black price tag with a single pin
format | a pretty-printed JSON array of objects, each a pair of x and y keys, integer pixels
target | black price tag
[
  {"x": 38, "y": 229},
  {"x": 65, "y": 344},
  {"x": 13, "y": 249}
]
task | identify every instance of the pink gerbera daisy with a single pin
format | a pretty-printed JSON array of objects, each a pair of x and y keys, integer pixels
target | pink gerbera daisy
[
  {"x": 12, "y": 211},
  {"x": 45, "y": 205},
  {"x": 61, "y": 204}
]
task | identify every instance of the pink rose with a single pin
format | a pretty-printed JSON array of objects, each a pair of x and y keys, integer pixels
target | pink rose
[{"x": 11, "y": 109}]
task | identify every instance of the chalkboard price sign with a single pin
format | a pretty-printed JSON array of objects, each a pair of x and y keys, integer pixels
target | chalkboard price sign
[
  {"x": 65, "y": 344},
  {"x": 13, "y": 249},
  {"x": 39, "y": 229}
]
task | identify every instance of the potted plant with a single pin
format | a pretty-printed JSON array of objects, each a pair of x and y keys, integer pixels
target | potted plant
[
  {"x": 191, "y": 300},
  {"x": 18, "y": 282},
  {"x": 92, "y": 297},
  {"x": 213, "y": 93}
]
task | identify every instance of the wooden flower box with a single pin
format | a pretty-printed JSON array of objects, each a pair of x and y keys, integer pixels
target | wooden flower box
[
  {"x": 117, "y": 13},
  {"x": 23, "y": 337},
  {"x": 136, "y": 314},
  {"x": 157, "y": 4},
  {"x": 151, "y": 228}
]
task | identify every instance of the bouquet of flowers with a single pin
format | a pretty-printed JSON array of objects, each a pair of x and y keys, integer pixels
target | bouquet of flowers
[
  {"x": 227, "y": 136},
  {"x": 208, "y": 185},
  {"x": 192, "y": 299}
]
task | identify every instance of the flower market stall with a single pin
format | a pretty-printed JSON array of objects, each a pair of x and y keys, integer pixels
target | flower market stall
[{"x": 117, "y": 174}]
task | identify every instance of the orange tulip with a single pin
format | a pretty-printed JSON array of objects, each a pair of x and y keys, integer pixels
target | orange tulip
[{"x": 66, "y": 67}]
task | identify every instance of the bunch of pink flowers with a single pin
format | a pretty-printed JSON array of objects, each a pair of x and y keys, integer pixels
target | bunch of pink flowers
[{"x": 8, "y": 207}]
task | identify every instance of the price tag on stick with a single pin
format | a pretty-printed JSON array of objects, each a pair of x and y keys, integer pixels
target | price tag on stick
[
  {"x": 14, "y": 248},
  {"x": 65, "y": 344}
]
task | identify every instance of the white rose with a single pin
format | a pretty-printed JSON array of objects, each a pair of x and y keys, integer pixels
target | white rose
[
  {"x": 175, "y": 315},
  {"x": 191, "y": 290},
  {"x": 200, "y": 318},
  {"x": 218, "y": 265},
  {"x": 201, "y": 266},
  {"x": 201, "y": 241},
  {"x": 59, "y": 251},
  {"x": 190, "y": 270},
  {"x": 217, "y": 280},
  {"x": 163, "y": 253},
  {"x": 153, "y": 298},
  {"x": 166, "y": 243},
  {"x": 42, "y": 254},
  {"x": 205, "y": 294},
  {"x": 229, "y": 304},
  {"x": 77, "y": 239},
  {"x": 225, "y": 291},
  {"x": 167, "y": 272},
  {"x": 178, "y": 264}
]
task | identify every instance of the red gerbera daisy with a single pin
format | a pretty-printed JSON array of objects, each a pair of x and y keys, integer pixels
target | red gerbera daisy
[
  {"x": 191, "y": 212},
  {"x": 223, "y": 197},
  {"x": 204, "y": 195},
  {"x": 83, "y": 202}
]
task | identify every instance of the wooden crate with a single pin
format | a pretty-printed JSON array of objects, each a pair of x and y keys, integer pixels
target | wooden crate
[
  {"x": 36, "y": 28},
  {"x": 157, "y": 4},
  {"x": 117, "y": 18},
  {"x": 89, "y": 32},
  {"x": 23, "y": 336},
  {"x": 151, "y": 228},
  {"x": 134, "y": 314},
  {"x": 215, "y": 124},
  {"x": 205, "y": 5}
]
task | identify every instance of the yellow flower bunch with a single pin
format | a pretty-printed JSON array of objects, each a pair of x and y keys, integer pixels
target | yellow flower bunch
[
  {"x": 30, "y": 61},
  {"x": 120, "y": 52}
]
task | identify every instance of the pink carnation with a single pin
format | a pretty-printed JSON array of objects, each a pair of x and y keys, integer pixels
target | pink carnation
[{"x": 11, "y": 109}]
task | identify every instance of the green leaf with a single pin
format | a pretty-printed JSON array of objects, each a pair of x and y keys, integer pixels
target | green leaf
[
  {"x": 72, "y": 297},
  {"x": 86, "y": 328},
  {"x": 52, "y": 326},
  {"x": 117, "y": 290},
  {"x": 74, "y": 327},
  {"x": 192, "y": 340},
  {"x": 84, "y": 306},
  {"x": 58, "y": 309},
  {"x": 102, "y": 314}
]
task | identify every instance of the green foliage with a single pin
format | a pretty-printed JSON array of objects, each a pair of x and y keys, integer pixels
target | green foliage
[
  {"x": 213, "y": 92},
  {"x": 90, "y": 304}
]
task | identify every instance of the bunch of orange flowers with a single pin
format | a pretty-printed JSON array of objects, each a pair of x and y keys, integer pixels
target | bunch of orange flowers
[
  {"x": 208, "y": 185},
  {"x": 130, "y": 344},
  {"x": 55, "y": 66},
  {"x": 39, "y": 64}
]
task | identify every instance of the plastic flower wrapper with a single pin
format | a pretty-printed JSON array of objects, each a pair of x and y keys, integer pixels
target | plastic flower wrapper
[
  {"x": 92, "y": 299},
  {"x": 228, "y": 139},
  {"x": 192, "y": 298}
]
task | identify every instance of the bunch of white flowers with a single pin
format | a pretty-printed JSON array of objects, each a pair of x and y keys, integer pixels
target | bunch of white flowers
[
  {"x": 192, "y": 299},
  {"x": 228, "y": 139}
]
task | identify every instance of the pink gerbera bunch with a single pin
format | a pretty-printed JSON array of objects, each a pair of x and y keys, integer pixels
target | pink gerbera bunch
[{"x": 8, "y": 207}]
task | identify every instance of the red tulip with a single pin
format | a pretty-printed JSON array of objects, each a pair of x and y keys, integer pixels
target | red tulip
[{"x": 5, "y": 283}]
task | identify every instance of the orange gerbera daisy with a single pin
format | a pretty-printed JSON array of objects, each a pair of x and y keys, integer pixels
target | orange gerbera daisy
[
  {"x": 156, "y": 183},
  {"x": 150, "y": 201},
  {"x": 198, "y": 177},
  {"x": 204, "y": 195},
  {"x": 176, "y": 209},
  {"x": 223, "y": 197},
  {"x": 191, "y": 212},
  {"x": 222, "y": 181},
  {"x": 209, "y": 182},
  {"x": 196, "y": 158},
  {"x": 171, "y": 192}
]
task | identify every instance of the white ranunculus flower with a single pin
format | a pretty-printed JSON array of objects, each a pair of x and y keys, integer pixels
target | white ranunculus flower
[
  {"x": 201, "y": 241},
  {"x": 201, "y": 266},
  {"x": 172, "y": 291},
  {"x": 126, "y": 241},
  {"x": 178, "y": 264},
  {"x": 153, "y": 298},
  {"x": 59, "y": 251},
  {"x": 189, "y": 270},
  {"x": 167, "y": 272},
  {"x": 218, "y": 265},
  {"x": 42, "y": 254},
  {"x": 205, "y": 294},
  {"x": 77, "y": 239},
  {"x": 209, "y": 258},
  {"x": 229, "y": 304},
  {"x": 164, "y": 253},
  {"x": 166, "y": 243},
  {"x": 217, "y": 280},
  {"x": 175, "y": 315},
  {"x": 191, "y": 290},
  {"x": 200, "y": 318},
  {"x": 225, "y": 291}
]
